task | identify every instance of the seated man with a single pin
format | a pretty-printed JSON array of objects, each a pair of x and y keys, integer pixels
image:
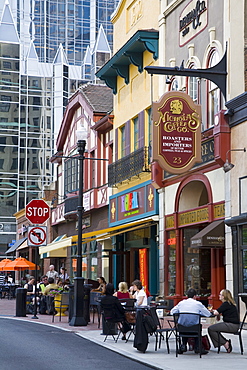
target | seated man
[
  {"x": 109, "y": 301},
  {"x": 51, "y": 285},
  {"x": 190, "y": 305}
]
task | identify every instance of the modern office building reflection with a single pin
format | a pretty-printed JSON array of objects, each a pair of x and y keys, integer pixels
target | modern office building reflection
[{"x": 47, "y": 49}]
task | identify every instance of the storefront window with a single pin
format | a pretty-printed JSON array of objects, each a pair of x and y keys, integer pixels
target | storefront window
[
  {"x": 244, "y": 235},
  {"x": 245, "y": 270},
  {"x": 197, "y": 265},
  {"x": 93, "y": 260},
  {"x": 171, "y": 242},
  {"x": 244, "y": 254},
  {"x": 74, "y": 261}
]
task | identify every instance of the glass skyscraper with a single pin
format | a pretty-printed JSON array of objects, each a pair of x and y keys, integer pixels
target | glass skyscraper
[{"x": 43, "y": 47}]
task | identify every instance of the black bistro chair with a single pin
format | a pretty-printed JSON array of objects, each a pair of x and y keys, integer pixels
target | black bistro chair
[
  {"x": 160, "y": 331},
  {"x": 95, "y": 298},
  {"x": 130, "y": 315},
  {"x": 111, "y": 324},
  {"x": 62, "y": 304},
  {"x": 182, "y": 330}
]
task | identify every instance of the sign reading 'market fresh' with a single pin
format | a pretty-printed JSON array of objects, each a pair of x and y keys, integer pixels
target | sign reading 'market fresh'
[{"x": 176, "y": 132}]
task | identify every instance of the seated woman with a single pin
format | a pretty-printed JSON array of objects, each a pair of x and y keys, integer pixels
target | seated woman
[
  {"x": 102, "y": 285},
  {"x": 110, "y": 302},
  {"x": 30, "y": 286},
  {"x": 139, "y": 294},
  {"x": 230, "y": 322},
  {"x": 122, "y": 291}
]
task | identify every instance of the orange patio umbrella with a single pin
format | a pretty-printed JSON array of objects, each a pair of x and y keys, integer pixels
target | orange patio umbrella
[
  {"x": 3, "y": 263},
  {"x": 20, "y": 264}
]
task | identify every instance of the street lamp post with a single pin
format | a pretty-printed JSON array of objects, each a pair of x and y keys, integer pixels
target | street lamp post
[{"x": 78, "y": 319}]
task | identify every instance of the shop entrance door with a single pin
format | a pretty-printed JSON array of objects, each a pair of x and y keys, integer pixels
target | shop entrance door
[
  {"x": 119, "y": 267},
  {"x": 134, "y": 264}
]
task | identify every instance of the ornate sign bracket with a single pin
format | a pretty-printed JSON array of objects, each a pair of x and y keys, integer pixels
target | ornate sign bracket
[{"x": 216, "y": 74}]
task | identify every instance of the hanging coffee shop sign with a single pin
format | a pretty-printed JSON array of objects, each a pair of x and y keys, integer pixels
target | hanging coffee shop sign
[{"x": 176, "y": 132}]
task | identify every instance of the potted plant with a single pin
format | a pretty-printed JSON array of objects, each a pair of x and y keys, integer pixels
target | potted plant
[{"x": 56, "y": 295}]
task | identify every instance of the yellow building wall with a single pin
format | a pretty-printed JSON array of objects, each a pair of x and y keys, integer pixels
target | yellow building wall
[
  {"x": 131, "y": 16},
  {"x": 136, "y": 96}
]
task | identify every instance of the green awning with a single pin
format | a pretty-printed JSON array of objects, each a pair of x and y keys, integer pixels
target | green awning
[{"x": 131, "y": 53}]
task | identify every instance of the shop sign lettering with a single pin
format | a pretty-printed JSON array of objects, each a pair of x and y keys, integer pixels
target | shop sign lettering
[
  {"x": 171, "y": 241},
  {"x": 192, "y": 217},
  {"x": 192, "y": 20}
]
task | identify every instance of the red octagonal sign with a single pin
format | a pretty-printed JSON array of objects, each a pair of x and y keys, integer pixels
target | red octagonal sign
[{"x": 37, "y": 211}]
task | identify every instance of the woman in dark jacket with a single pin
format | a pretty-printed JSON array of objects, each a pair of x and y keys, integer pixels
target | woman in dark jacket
[
  {"x": 230, "y": 322},
  {"x": 113, "y": 305}
]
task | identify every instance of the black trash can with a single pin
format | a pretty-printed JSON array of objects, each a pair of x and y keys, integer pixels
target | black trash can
[
  {"x": 71, "y": 301},
  {"x": 86, "y": 302},
  {"x": 21, "y": 294}
]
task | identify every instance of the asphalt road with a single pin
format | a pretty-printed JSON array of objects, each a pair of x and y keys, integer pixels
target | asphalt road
[{"x": 26, "y": 345}]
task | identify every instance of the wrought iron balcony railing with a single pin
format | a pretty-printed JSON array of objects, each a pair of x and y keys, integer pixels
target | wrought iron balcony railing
[{"x": 131, "y": 165}]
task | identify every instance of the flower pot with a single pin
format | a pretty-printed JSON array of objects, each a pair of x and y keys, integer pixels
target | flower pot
[{"x": 59, "y": 307}]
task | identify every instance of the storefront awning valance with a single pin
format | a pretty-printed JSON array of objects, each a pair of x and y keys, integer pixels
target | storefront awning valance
[
  {"x": 23, "y": 245},
  {"x": 17, "y": 244},
  {"x": 56, "y": 249},
  {"x": 212, "y": 236},
  {"x": 110, "y": 231}
]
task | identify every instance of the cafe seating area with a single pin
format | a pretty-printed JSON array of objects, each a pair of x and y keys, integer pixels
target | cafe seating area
[{"x": 8, "y": 290}]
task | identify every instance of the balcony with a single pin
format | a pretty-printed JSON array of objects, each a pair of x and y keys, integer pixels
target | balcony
[
  {"x": 70, "y": 207},
  {"x": 131, "y": 165}
]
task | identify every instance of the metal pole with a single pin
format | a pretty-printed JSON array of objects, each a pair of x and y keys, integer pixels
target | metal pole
[
  {"x": 78, "y": 319},
  {"x": 35, "y": 286}
]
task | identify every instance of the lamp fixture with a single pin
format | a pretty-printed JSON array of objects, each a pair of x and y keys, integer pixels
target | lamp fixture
[
  {"x": 81, "y": 133},
  {"x": 228, "y": 165}
]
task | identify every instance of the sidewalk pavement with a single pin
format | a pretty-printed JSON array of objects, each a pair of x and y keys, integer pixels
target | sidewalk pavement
[{"x": 157, "y": 359}]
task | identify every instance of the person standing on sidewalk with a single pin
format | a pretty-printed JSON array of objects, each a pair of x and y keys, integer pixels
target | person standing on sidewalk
[{"x": 52, "y": 273}]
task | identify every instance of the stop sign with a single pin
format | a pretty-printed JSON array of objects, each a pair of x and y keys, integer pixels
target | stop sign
[{"x": 37, "y": 211}]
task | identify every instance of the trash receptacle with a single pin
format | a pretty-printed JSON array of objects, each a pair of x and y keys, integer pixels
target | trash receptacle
[
  {"x": 71, "y": 301},
  {"x": 86, "y": 302},
  {"x": 21, "y": 294}
]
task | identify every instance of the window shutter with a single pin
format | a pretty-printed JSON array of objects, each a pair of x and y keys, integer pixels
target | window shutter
[
  {"x": 141, "y": 123},
  {"x": 127, "y": 138},
  {"x": 116, "y": 145}
]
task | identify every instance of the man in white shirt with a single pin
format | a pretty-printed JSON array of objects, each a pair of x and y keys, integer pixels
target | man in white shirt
[
  {"x": 190, "y": 305},
  {"x": 52, "y": 273}
]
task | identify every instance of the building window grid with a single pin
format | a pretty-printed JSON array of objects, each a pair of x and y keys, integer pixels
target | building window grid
[
  {"x": 213, "y": 92},
  {"x": 70, "y": 176}
]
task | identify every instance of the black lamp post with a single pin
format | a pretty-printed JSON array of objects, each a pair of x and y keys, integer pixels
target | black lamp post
[{"x": 77, "y": 318}]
